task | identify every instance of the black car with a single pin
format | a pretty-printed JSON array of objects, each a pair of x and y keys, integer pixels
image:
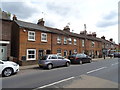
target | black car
[{"x": 79, "y": 58}]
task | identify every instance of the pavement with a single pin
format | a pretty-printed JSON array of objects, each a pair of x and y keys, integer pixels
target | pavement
[
  {"x": 85, "y": 81},
  {"x": 36, "y": 65}
]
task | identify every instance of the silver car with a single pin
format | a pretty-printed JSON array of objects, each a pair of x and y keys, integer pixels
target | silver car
[{"x": 53, "y": 60}]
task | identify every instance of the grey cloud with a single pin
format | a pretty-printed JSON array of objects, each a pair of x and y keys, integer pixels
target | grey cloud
[
  {"x": 111, "y": 15},
  {"x": 50, "y": 23},
  {"x": 20, "y": 9},
  {"x": 58, "y": 8},
  {"x": 104, "y": 24}
]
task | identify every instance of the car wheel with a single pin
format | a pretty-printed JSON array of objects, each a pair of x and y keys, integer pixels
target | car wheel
[
  {"x": 90, "y": 61},
  {"x": 67, "y": 64},
  {"x": 7, "y": 72},
  {"x": 49, "y": 66},
  {"x": 80, "y": 62}
]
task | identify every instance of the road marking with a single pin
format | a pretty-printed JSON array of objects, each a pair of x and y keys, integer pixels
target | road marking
[
  {"x": 96, "y": 70},
  {"x": 54, "y": 83},
  {"x": 114, "y": 64}
]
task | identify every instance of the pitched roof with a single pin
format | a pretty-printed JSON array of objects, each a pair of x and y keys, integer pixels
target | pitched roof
[
  {"x": 62, "y": 32},
  {"x": 31, "y": 26}
]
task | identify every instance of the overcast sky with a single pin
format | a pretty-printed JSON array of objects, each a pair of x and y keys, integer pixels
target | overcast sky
[{"x": 100, "y": 16}]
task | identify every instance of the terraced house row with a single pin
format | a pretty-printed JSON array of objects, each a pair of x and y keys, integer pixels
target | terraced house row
[{"x": 27, "y": 42}]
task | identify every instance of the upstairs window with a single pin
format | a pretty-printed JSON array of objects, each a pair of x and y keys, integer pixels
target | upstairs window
[
  {"x": 70, "y": 40},
  {"x": 93, "y": 43},
  {"x": 59, "y": 40},
  {"x": 83, "y": 43},
  {"x": 43, "y": 37},
  {"x": 31, "y": 35},
  {"x": 75, "y": 42},
  {"x": 65, "y": 40}
]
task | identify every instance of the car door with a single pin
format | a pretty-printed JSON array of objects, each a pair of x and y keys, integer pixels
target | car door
[
  {"x": 54, "y": 60},
  {"x": 61, "y": 61}
]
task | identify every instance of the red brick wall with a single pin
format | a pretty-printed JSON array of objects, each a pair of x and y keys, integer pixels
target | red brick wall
[{"x": 25, "y": 44}]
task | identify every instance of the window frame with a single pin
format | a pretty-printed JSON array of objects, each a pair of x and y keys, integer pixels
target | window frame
[
  {"x": 43, "y": 37},
  {"x": 60, "y": 52},
  {"x": 65, "y": 40},
  {"x": 31, "y": 54},
  {"x": 75, "y": 41},
  {"x": 31, "y": 35},
  {"x": 70, "y": 40},
  {"x": 59, "y": 40},
  {"x": 83, "y": 43}
]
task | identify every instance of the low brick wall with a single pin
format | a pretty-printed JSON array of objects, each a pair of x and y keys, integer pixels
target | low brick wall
[{"x": 25, "y": 63}]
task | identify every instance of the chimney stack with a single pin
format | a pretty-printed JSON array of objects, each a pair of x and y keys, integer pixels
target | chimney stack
[
  {"x": 94, "y": 34},
  {"x": 66, "y": 28},
  {"x": 103, "y": 37},
  {"x": 41, "y": 22},
  {"x": 111, "y": 39},
  {"x": 14, "y": 17}
]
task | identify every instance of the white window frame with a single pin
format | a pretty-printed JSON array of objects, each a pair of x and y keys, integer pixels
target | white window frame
[
  {"x": 44, "y": 37},
  {"x": 83, "y": 43},
  {"x": 93, "y": 44},
  {"x": 31, "y": 54},
  {"x": 59, "y": 53},
  {"x": 31, "y": 35},
  {"x": 75, "y": 41},
  {"x": 65, "y": 40},
  {"x": 59, "y": 39},
  {"x": 70, "y": 40}
]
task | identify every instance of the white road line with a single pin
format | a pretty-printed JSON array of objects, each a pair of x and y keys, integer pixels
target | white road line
[
  {"x": 114, "y": 64},
  {"x": 54, "y": 83},
  {"x": 96, "y": 70}
]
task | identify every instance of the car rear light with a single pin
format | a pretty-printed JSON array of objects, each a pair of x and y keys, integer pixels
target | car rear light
[{"x": 76, "y": 58}]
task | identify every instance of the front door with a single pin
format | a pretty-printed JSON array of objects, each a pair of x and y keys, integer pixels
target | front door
[
  {"x": 40, "y": 53},
  {"x": 3, "y": 52}
]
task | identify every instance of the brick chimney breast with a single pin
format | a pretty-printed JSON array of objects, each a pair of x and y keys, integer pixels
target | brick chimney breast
[
  {"x": 14, "y": 17},
  {"x": 41, "y": 22},
  {"x": 103, "y": 37},
  {"x": 66, "y": 28}
]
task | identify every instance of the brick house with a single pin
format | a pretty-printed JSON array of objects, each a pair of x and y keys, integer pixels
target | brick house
[
  {"x": 5, "y": 36},
  {"x": 29, "y": 41}
]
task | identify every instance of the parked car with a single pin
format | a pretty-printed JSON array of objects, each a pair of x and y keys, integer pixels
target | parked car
[
  {"x": 111, "y": 55},
  {"x": 53, "y": 60},
  {"x": 117, "y": 54},
  {"x": 8, "y": 68},
  {"x": 79, "y": 58}
]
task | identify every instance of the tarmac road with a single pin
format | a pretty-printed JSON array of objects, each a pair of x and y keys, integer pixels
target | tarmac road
[{"x": 100, "y": 74}]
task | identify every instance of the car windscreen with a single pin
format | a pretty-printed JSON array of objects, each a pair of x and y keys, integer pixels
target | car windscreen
[{"x": 43, "y": 57}]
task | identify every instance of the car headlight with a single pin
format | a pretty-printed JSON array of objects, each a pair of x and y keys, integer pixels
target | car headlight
[{"x": 14, "y": 64}]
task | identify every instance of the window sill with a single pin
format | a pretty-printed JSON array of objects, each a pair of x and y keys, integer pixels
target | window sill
[
  {"x": 31, "y": 40},
  {"x": 43, "y": 41}
]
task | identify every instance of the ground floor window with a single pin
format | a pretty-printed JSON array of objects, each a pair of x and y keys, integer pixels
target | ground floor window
[
  {"x": 59, "y": 51},
  {"x": 31, "y": 54}
]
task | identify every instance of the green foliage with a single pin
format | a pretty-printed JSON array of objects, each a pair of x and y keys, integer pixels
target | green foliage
[{"x": 9, "y": 14}]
